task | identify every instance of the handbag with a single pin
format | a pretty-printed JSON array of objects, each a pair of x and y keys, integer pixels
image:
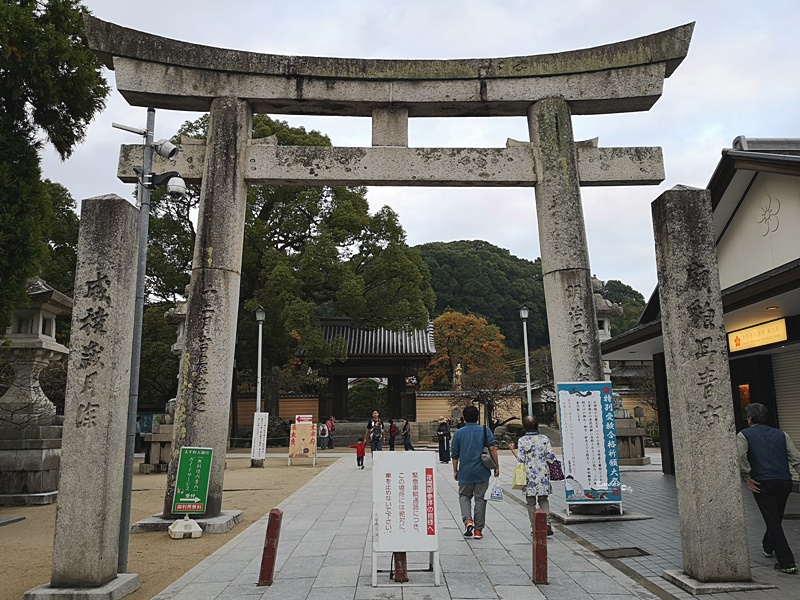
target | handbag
[
  {"x": 556, "y": 472},
  {"x": 486, "y": 457},
  {"x": 496, "y": 494},
  {"x": 520, "y": 477}
]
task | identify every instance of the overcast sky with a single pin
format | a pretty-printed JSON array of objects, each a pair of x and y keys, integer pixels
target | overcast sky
[{"x": 740, "y": 78}]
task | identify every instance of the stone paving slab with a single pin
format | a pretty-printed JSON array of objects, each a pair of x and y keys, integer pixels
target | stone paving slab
[{"x": 325, "y": 551}]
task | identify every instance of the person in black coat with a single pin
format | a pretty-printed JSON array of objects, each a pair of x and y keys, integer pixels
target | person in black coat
[{"x": 443, "y": 433}]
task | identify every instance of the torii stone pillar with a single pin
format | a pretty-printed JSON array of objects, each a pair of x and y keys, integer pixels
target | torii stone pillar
[
  {"x": 203, "y": 402},
  {"x": 574, "y": 338},
  {"x": 710, "y": 506}
]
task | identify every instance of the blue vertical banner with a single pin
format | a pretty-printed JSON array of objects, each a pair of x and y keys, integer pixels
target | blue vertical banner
[{"x": 589, "y": 443}]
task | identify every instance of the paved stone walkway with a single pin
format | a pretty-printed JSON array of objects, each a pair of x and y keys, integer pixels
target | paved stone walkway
[{"x": 325, "y": 549}]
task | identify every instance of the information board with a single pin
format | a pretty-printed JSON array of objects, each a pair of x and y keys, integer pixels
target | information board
[
  {"x": 302, "y": 441},
  {"x": 589, "y": 443},
  {"x": 258, "y": 446},
  {"x": 404, "y": 502},
  {"x": 191, "y": 482}
]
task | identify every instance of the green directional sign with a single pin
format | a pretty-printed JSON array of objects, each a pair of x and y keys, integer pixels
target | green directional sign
[{"x": 191, "y": 484}]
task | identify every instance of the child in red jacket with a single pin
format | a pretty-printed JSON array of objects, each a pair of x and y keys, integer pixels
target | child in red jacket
[{"x": 361, "y": 450}]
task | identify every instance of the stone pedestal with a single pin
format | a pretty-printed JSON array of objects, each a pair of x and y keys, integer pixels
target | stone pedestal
[
  {"x": 86, "y": 543},
  {"x": 30, "y": 458},
  {"x": 571, "y": 319},
  {"x": 157, "y": 450},
  {"x": 203, "y": 404},
  {"x": 710, "y": 506},
  {"x": 630, "y": 443}
]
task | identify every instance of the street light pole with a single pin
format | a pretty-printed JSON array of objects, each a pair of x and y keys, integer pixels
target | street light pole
[
  {"x": 261, "y": 314},
  {"x": 524, "y": 311},
  {"x": 143, "y": 197}
]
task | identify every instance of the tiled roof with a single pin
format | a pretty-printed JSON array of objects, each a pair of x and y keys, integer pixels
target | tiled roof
[{"x": 380, "y": 341}]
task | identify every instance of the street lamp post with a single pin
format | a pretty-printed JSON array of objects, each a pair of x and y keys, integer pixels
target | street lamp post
[
  {"x": 147, "y": 180},
  {"x": 524, "y": 312},
  {"x": 261, "y": 314}
]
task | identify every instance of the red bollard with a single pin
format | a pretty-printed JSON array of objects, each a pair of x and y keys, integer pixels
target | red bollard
[
  {"x": 539, "y": 547},
  {"x": 400, "y": 567},
  {"x": 270, "y": 547}
]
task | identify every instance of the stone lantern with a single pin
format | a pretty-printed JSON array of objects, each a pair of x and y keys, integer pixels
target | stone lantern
[
  {"x": 30, "y": 346},
  {"x": 30, "y": 453}
]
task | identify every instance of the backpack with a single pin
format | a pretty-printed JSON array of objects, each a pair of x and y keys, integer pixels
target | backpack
[{"x": 323, "y": 430}]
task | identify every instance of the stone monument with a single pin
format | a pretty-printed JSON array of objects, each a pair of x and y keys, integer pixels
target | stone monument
[
  {"x": 710, "y": 505},
  {"x": 163, "y": 73},
  {"x": 87, "y": 529}
]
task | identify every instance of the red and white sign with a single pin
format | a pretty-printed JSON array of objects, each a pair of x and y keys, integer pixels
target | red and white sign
[
  {"x": 404, "y": 502},
  {"x": 304, "y": 418}
]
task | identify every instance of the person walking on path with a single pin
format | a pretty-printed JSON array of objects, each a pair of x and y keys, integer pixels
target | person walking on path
[
  {"x": 536, "y": 453},
  {"x": 331, "y": 428},
  {"x": 375, "y": 432},
  {"x": 322, "y": 434},
  {"x": 469, "y": 472},
  {"x": 392, "y": 434},
  {"x": 406, "y": 433},
  {"x": 765, "y": 455},
  {"x": 361, "y": 450},
  {"x": 443, "y": 434}
]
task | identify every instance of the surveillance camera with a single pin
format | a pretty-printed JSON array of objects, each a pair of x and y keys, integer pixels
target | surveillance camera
[
  {"x": 165, "y": 149},
  {"x": 176, "y": 188}
]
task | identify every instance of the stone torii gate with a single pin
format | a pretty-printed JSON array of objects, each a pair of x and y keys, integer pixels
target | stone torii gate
[{"x": 548, "y": 89}]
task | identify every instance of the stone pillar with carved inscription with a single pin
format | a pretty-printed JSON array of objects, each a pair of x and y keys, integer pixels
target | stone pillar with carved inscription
[
  {"x": 203, "y": 404},
  {"x": 96, "y": 405},
  {"x": 713, "y": 531},
  {"x": 574, "y": 337}
]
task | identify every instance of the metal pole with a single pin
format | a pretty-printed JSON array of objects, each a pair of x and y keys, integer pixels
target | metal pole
[
  {"x": 527, "y": 366},
  {"x": 258, "y": 380},
  {"x": 133, "y": 400}
]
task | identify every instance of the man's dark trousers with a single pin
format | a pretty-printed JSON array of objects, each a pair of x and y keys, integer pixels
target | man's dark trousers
[{"x": 771, "y": 501}]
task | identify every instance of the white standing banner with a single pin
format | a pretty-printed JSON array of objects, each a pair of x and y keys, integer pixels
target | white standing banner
[
  {"x": 404, "y": 502},
  {"x": 404, "y": 509},
  {"x": 258, "y": 446},
  {"x": 589, "y": 443}
]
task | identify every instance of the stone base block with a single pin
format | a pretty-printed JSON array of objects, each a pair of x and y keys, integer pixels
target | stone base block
[
  {"x": 695, "y": 587},
  {"x": 122, "y": 585},
  {"x": 147, "y": 469},
  {"x": 573, "y": 518},
  {"x": 221, "y": 524},
  {"x": 39, "y": 499},
  {"x": 634, "y": 462}
]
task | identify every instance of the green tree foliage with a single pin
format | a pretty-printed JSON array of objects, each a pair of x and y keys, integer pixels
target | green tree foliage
[
  {"x": 364, "y": 397},
  {"x": 158, "y": 379},
  {"x": 51, "y": 85},
  {"x": 309, "y": 252},
  {"x": 61, "y": 237},
  {"x": 631, "y": 301},
  {"x": 476, "y": 277}
]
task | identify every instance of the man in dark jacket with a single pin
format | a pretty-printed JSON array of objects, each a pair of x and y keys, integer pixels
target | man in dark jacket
[{"x": 765, "y": 455}]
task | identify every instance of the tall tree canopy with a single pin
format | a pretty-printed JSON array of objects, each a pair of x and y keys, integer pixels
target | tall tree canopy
[
  {"x": 631, "y": 301},
  {"x": 476, "y": 277},
  {"x": 51, "y": 85},
  {"x": 309, "y": 252}
]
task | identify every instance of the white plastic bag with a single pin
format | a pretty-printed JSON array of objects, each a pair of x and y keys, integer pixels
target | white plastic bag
[{"x": 496, "y": 491}]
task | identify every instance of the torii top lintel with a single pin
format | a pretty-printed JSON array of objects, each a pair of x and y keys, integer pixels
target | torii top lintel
[{"x": 164, "y": 73}]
